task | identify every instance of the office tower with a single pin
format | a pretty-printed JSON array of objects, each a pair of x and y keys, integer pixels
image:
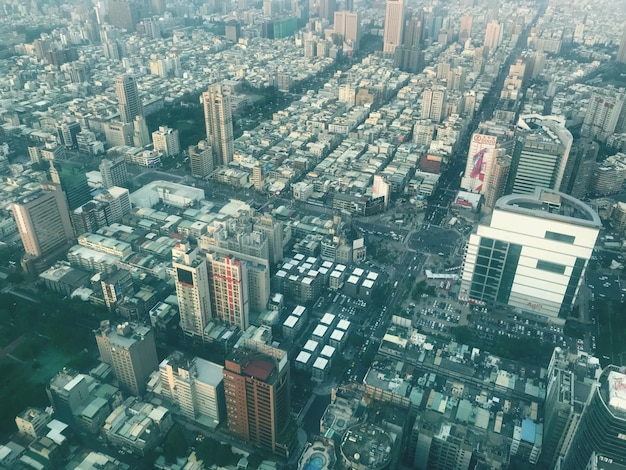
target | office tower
[
  {"x": 542, "y": 146},
  {"x": 67, "y": 132},
  {"x": 580, "y": 167},
  {"x": 394, "y": 21},
  {"x": 73, "y": 181},
  {"x": 114, "y": 172},
  {"x": 621, "y": 53},
  {"x": 433, "y": 103},
  {"x": 408, "y": 55},
  {"x": 124, "y": 14},
  {"x": 195, "y": 386},
  {"x": 533, "y": 254},
  {"x": 218, "y": 121},
  {"x": 347, "y": 25},
  {"x": 129, "y": 101},
  {"x": 493, "y": 36},
  {"x": 602, "y": 426},
  {"x": 257, "y": 390},
  {"x": 141, "y": 136},
  {"x": 496, "y": 183},
  {"x": 456, "y": 79},
  {"x": 569, "y": 383},
  {"x": 130, "y": 350},
  {"x": 465, "y": 30},
  {"x": 603, "y": 112},
  {"x": 88, "y": 218},
  {"x": 166, "y": 140},
  {"x": 192, "y": 289},
  {"x": 43, "y": 222},
  {"x": 228, "y": 282},
  {"x": 327, "y": 10}
]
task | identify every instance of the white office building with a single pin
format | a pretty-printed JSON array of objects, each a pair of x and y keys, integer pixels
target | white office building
[{"x": 533, "y": 254}]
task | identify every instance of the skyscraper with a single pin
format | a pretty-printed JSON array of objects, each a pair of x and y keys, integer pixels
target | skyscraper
[
  {"x": 465, "y": 30},
  {"x": 218, "y": 121},
  {"x": 493, "y": 36},
  {"x": 257, "y": 390},
  {"x": 580, "y": 167},
  {"x": 408, "y": 55},
  {"x": 602, "y": 427},
  {"x": 621, "y": 52},
  {"x": 129, "y": 101},
  {"x": 73, "y": 181},
  {"x": 347, "y": 25},
  {"x": 130, "y": 350},
  {"x": 433, "y": 103},
  {"x": 542, "y": 146},
  {"x": 603, "y": 113},
  {"x": 43, "y": 222},
  {"x": 228, "y": 282},
  {"x": 394, "y": 21},
  {"x": 192, "y": 289},
  {"x": 124, "y": 14},
  {"x": 533, "y": 254},
  {"x": 328, "y": 9}
]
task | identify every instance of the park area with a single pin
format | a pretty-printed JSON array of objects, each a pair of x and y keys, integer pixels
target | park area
[{"x": 38, "y": 339}]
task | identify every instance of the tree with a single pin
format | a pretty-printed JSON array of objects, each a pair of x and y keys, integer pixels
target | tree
[
  {"x": 211, "y": 451},
  {"x": 175, "y": 444},
  {"x": 463, "y": 335},
  {"x": 254, "y": 460}
]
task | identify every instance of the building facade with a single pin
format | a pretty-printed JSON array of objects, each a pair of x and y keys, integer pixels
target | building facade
[
  {"x": 533, "y": 254},
  {"x": 218, "y": 121}
]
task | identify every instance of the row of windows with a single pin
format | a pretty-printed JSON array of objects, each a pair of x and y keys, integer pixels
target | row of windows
[
  {"x": 551, "y": 267},
  {"x": 559, "y": 237}
]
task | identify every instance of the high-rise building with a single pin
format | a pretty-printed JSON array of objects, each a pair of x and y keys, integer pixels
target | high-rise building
[
  {"x": 540, "y": 154},
  {"x": 192, "y": 289},
  {"x": 67, "y": 132},
  {"x": 273, "y": 230},
  {"x": 533, "y": 254},
  {"x": 347, "y": 25},
  {"x": 73, "y": 181},
  {"x": 465, "y": 30},
  {"x": 130, "y": 350},
  {"x": 408, "y": 55},
  {"x": 394, "y": 21},
  {"x": 621, "y": 52},
  {"x": 117, "y": 201},
  {"x": 257, "y": 390},
  {"x": 602, "y": 427},
  {"x": 580, "y": 167},
  {"x": 129, "y": 101},
  {"x": 228, "y": 282},
  {"x": 327, "y": 9},
  {"x": 496, "y": 183},
  {"x": 218, "y": 121},
  {"x": 68, "y": 391},
  {"x": 433, "y": 103},
  {"x": 124, "y": 14},
  {"x": 166, "y": 140},
  {"x": 114, "y": 172},
  {"x": 43, "y": 222},
  {"x": 569, "y": 383},
  {"x": 483, "y": 150},
  {"x": 603, "y": 113},
  {"x": 201, "y": 159},
  {"x": 141, "y": 136},
  {"x": 196, "y": 386},
  {"x": 493, "y": 36}
]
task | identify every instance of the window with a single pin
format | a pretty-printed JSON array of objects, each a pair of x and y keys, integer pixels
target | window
[
  {"x": 552, "y": 267},
  {"x": 560, "y": 237}
]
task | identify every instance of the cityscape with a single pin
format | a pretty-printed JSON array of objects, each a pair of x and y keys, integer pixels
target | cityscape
[{"x": 313, "y": 234}]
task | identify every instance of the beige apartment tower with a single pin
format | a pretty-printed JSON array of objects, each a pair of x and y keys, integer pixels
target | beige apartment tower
[
  {"x": 218, "y": 121},
  {"x": 394, "y": 21},
  {"x": 192, "y": 289},
  {"x": 129, "y": 101}
]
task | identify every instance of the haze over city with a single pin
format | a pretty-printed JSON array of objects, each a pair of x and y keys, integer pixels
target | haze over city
[{"x": 313, "y": 234}]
